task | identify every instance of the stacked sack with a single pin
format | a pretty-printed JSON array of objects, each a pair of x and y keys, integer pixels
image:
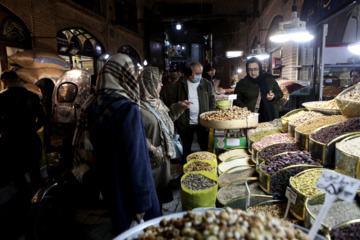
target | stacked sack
[{"x": 37, "y": 65}]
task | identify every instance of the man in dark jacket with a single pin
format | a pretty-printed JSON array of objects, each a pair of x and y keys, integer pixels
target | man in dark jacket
[
  {"x": 207, "y": 74},
  {"x": 21, "y": 116},
  {"x": 200, "y": 92}
]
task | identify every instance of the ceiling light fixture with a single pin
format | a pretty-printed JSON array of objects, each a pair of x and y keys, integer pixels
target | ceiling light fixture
[
  {"x": 295, "y": 29},
  {"x": 233, "y": 54},
  {"x": 178, "y": 26},
  {"x": 259, "y": 53}
]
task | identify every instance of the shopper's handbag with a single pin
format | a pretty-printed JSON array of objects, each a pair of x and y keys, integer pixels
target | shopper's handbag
[
  {"x": 257, "y": 106},
  {"x": 176, "y": 140},
  {"x": 177, "y": 145}
]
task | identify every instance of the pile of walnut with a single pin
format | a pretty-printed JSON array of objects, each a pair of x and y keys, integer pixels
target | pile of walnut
[
  {"x": 228, "y": 224},
  {"x": 234, "y": 113}
]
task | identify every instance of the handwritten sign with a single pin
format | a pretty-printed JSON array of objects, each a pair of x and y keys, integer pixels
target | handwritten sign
[
  {"x": 341, "y": 186},
  {"x": 335, "y": 186},
  {"x": 291, "y": 196},
  {"x": 232, "y": 96},
  {"x": 247, "y": 195}
]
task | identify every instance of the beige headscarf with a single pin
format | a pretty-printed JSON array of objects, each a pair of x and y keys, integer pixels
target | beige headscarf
[
  {"x": 116, "y": 79},
  {"x": 148, "y": 82}
]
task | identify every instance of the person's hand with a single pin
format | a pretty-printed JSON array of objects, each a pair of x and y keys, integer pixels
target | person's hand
[
  {"x": 139, "y": 217},
  {"x": 157, "y": 152},
  {"x": 185, "y": 104},
  {"x": 270, "y": 96}
]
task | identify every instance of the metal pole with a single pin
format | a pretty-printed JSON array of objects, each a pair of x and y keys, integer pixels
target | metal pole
[{"x": 324, "y": 34}]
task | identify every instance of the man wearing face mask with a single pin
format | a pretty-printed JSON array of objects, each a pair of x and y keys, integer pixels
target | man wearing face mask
[{"x": 200, "y": 92}]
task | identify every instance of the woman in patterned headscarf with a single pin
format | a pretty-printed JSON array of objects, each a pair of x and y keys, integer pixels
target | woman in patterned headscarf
[
  {"x": 159, "y": 143},
  {"x": 110, "y": 125}
]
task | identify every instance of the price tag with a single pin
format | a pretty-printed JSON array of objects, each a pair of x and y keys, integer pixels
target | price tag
[
  {"x": 247, "y": 196},
  {"x": 335, "y": 186},
  {"x": 232, "y": 96},
  {"x": 291, "y": 196},
  {"x": 233, "y": 142}
]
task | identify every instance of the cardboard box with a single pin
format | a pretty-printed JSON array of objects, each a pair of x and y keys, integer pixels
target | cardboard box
[{"x": 229, "y": 142}]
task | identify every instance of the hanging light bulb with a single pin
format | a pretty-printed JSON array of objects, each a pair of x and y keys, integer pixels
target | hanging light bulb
[
  {"x": 145, "y": 63},
  {"x": 178, "y": 26}
]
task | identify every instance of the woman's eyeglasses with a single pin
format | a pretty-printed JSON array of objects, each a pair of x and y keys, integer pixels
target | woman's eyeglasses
[
  {"x": 355, "y": 76},
  {"x": 253, "y": 69}
]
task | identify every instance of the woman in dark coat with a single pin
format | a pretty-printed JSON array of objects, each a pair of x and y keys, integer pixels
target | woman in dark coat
[
  {"x": 256, "y": 83},
  {"x": 111, "y": 125}
]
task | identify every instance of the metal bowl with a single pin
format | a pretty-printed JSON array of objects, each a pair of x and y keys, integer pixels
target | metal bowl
[{"x": 329, "y": 111}]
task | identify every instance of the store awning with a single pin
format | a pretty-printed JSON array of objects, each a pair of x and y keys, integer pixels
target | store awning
[{"x": 315, "y": 11}]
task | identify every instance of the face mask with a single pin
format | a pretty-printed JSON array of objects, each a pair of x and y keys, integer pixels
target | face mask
[{"x": 197, "y": 78}]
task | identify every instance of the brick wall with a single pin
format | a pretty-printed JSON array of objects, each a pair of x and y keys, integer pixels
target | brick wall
[{"x": 44, "y": 18}]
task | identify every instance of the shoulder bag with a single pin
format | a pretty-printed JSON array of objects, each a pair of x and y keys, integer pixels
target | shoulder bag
[{"x": 175, "y": 139}]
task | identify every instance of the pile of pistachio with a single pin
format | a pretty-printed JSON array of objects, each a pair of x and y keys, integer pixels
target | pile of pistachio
[{"x": 228, "y": 224}]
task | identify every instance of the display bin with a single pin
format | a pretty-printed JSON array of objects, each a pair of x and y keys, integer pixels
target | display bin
[
  {"x": 255, "y": 199},
  {"x": 209, "y": 163},
  {"x": 291, "y": 129},
  {"x": 231, "y": 163},
  {"x": 326, "y": 152},
  {"x": 250, "y": 121},
  {"x": 348, "y": 108},
  {"x": 260, "y": 160},
  {"x": 234, "y": 152},
  {"x": 253, "y": 136},
  {"x": 302, "y": 140},
  {"x": 277, "y": 213},
  {"x": 310, "y": 216},
  {"x": 191, "y": 199},
  {"x": 236, "y": 190},
  {"x": 343, "y": 225},
  {"x": 236, "y": 171},
  {"x": 298, "y": 209},
  {"x": 276, "y": 183},
  {"x": 188, "y": 158},
  {"x": 285, "y": 121},
  {"x": 254, "y": 156},
  {"x": 346, "y": 163}
]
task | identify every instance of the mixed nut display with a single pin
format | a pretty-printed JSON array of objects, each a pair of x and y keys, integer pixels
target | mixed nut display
[{"x": 283, "y": 165}]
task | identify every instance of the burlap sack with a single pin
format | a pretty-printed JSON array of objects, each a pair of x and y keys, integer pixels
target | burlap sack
[
  {"x": 32, "y": 75},
  {"x": 33, "y": 88},
  {"x": 38, "y": 59}
]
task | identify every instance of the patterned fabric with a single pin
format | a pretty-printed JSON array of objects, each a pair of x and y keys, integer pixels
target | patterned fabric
[
  {"x": 148, "y": 81},
  {"x": 116, "y": 79}
]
